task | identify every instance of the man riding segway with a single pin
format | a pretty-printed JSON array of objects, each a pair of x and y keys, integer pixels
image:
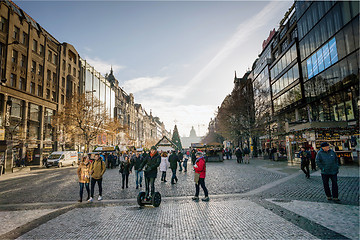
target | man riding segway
[{"x": 150, "y": 165}]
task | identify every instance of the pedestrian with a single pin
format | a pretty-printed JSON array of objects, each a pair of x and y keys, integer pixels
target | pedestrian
[
  {"x": 185, "y": 161},
  {"x": 312, "y": 158},
  {"x": 230, "y": 153},
  {"x": 137, "y": 161},
  {"x": 173, "y": 159},
  {"x": 239, "y": 155},
  {"x": 164, "y": 165},
  {"x": 83, "y": 173},
  {"x": 305, "y": 160},
  {"x": 109, "y": 161},
  {"x": 125, "y": 170},
  {"x": 150, "y": 165},
  {"x": 328, "y": 163},
  {"x": 180, "y": 156},
  {"x": 246, "y": 152},
  {"x": 97, "y": 170},
  {"x": 200, "y": 173},
  {"x": 193, "y": 157}
]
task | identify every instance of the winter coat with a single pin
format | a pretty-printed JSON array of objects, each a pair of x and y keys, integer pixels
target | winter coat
[
  {"x": 201, "y": 167},
  {"x": 125, "y": 167},
  {"x": 327, "y": 162},
  {"x": 304, "y": 156},
  {"x": 181, "y": 156},
  {"x": 150, "y": 165},
  {"x": 97, "y": 169},
  {"x": 136, "y": 162},
  {"x": 164, "y": 165},
  {"x": 246, "y": 151},
  {"x": 83, "y": 173},
  {"x": 173, "y": 159},
  {"x": 238, "y": 153}
]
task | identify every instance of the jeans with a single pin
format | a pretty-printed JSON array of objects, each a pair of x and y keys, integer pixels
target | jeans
[
  {"x": 197, "y": 187},
  {"x": 138, "y": 175},
  {"x": 174, "y": 178},
  {"x": 185, "y": 165},
  {"x": 125, "y": 178},
  {"x": 82, "y": 189},
  {"x": 149, "y": 181},
  {"x": 93, "y": 181},
  {"x": 180, "y": 167},
  {"x": 163, "y": 176},
  {"x": 334, "y": 185}
]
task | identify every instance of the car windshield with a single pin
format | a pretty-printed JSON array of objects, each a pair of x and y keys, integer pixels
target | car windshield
[{"x": 54, "y": 156}]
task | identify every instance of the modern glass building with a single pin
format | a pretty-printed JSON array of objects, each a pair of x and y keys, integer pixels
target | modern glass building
[{"x": 327, "y": 94}]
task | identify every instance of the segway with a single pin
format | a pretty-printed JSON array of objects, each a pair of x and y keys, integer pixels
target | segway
[{"x": 154, "y": 200}]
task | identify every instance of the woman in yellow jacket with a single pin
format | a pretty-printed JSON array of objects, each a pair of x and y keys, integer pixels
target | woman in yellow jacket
[{"x": 83, "y": 173}]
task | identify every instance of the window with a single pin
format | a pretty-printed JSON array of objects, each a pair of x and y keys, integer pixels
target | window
[
  {"x": 63, "y": 82},
  {"x": 42, "y": 50},
  {"x": 33, "y": 66},
  {"x": 54, "y": 77},
  {"x": 34, "y": 112},
  {"x": 48, "y": 75},
  {"x": 22, "y": 84},
  {"x": 62, "y": 99},
  {"x": 3, "y": 24},
  {"x": 333, "y": 51},
  {"x": 32, "y": 88},
  {"x": 49, "y": 56},
  {"x": 13, "y": 80},
  {"x": 35, "y": 46},
  {"x": 53, "y": 96},
  {"x": 64, "y": 65},
  {"x": 47, "y": 93},
  {"x": 40, "y": 91},
  {"x": 74, "y": 72},
  {"x": 14, "y": 58},
  {"x": 40, "y": 70},
  {"x": 69, "y": 69},
  {"x": 23, "y": 61},
  {"x": 55, "y": 59},
  {"x": 24, "y": 40},
  {"x": 16, "y": 33}
]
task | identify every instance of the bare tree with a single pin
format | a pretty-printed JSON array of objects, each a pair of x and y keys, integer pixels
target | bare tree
[{"x": 83, "y": 117}]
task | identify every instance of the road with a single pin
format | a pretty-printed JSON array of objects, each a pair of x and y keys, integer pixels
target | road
[{"x": 263, "y": 199}]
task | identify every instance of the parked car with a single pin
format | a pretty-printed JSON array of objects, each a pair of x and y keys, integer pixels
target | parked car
[{"x": 61, "y": 159}]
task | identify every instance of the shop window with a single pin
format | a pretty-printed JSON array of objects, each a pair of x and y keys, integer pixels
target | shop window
[{"x": 34, "y": 112}]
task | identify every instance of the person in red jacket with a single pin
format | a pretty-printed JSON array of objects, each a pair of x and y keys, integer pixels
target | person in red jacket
[{"x": 200, "y": 172}]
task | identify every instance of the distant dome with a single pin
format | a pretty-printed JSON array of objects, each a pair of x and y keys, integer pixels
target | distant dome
[{"x": 192, "y": 132}]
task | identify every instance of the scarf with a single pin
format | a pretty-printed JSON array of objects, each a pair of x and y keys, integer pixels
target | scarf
[{"x": 153, "y": 154}]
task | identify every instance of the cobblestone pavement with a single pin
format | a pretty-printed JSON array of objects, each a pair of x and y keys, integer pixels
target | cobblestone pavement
[{"x": 260, "y": 200}]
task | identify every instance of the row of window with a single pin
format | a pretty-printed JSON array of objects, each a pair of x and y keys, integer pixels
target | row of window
[
  {"x": 288, "y": 98},
  {"x": 285, "y": 80},
  {"x": 283, "y": 62}
]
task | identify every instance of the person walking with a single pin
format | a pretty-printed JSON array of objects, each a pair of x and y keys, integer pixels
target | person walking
[
  {"x": 137, "y": 161},
  {"x": 328, "y": 163},
  {"x": 193, "y": 157},
  {"x": 200, "y": 173},
  {"x": 239, "y": 155},
  {"x": 164, "y": 165},
  {"x": 246, "y": 155},
  {"x": 180, "y": 156},
  {"x": 305, "y": 159},
  {"x": 83, "y": 173},
  {"x": 312, "y": 158},
  {"x": 97, "y": 170},
  {"x": 125, "y": 170},
  {"x": 173, "y": 159},
  {"x": 150, "y": 165},
  {"x": 185, "y": 161}
]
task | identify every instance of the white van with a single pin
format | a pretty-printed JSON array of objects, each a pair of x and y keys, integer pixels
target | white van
[{"x": 62, "y": 159}]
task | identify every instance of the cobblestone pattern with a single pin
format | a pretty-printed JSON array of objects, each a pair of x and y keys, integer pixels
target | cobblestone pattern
[
  {"x": 62, "y": 184},
  {"x": 13, "y": 219},
  {"x": 300, "y": 188},
  {"x": 328, "y": 215},
  {"x": 186, "y": 220}
]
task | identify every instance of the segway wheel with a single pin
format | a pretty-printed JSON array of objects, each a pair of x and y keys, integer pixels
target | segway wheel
[
  {"x": 156, "y": 200},
  {"x": 140, "y": 198}
]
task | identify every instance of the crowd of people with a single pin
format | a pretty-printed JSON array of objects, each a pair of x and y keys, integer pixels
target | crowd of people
[{"x": 145, "y": 166}]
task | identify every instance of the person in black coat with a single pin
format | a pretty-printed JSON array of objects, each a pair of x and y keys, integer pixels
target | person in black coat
[
  {"x": 173, "y": 159},
  {"x": 150, "y": 165},
  {"x": 181, "y": 156},
  {"x": 125, "y": 170},
  {"x": 193, "y": 157},
  {"x": 239, "y": 155},
  {"x": 136, "y": 162}
]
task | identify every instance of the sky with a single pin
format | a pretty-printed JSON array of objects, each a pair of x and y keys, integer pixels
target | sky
[{"x": 178, "y": 58}]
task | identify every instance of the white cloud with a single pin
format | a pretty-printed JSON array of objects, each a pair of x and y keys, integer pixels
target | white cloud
[
  {"x": 103, "y": 66},
  {"x": 143, "y": 83}
]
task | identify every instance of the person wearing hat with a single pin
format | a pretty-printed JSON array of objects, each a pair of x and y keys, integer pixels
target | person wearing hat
[
  {"x": 328, "y": 163},
  {"x": 150, "y": 165},
  {"x": 200, "y": 172}
]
